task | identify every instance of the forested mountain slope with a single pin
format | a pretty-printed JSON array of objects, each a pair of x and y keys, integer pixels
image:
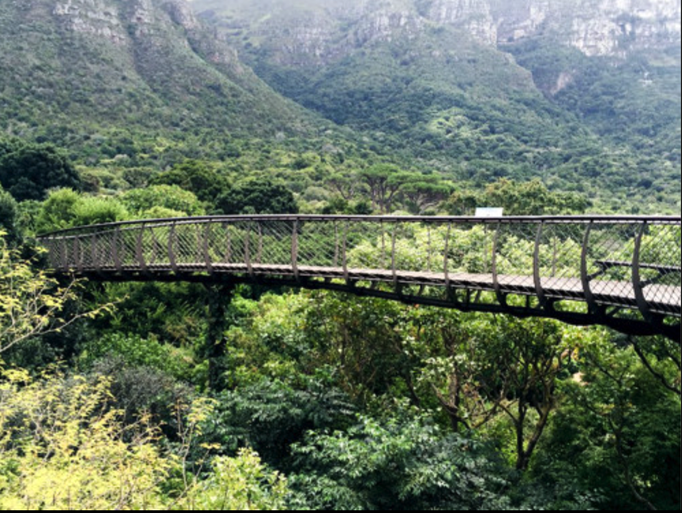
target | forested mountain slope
[
  {"x": 586, "y": 95},
  {"x": 73, "y": 70}
]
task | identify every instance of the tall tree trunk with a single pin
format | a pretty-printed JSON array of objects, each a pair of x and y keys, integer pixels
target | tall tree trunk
[
  {"x": 521, "y": 463},
  {"x": 219, "y": 298}
]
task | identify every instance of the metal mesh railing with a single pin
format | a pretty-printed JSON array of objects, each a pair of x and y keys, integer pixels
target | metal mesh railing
[{"x": 606, "y": 262}]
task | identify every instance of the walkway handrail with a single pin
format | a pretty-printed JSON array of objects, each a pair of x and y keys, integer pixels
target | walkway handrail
[
  {"x": 661, "y": 219},
  {"x": 614, "y": 264}
]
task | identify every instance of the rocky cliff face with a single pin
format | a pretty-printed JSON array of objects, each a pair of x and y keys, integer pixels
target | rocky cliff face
[
  {"x": 474, "y": 16},
  {"x": 96, "y": 17},
  {"x": 110, "y": 19},
  {"x": 122, "y": 22},
  {"x": 148, "y": 62},
  {"x": 323, "y": 29},
  {"x": 596, "y": 27}
]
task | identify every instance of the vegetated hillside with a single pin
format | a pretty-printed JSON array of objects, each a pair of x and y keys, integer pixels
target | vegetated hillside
[
  {"x": 482, "y": 89},
  {"x": 109, "y": 73},
  {"x": 634, "y": 101}
]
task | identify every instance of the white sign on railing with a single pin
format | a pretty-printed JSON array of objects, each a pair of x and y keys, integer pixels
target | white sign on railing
[{"x": 489, "y": 212}]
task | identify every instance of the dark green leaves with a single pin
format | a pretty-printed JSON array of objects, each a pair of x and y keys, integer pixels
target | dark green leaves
[{"x": 29, "y": 171}]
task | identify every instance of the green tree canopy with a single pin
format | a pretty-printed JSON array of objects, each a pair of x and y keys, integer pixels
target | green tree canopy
[
  {"x": 197, "y": 177},
  {"x": 520, "y": 199},
  {"x": 7, "y": 147},
  {"x": 29, "y": 171},
  {"x": 166, "y": 197},
  {"x": 9, "y": 214},
  {"x": 425, "y": 194},
  {"x": 258, "y": 196},
  {"x": 67, "y": 209},
  {"x": 385, "y": 181}
]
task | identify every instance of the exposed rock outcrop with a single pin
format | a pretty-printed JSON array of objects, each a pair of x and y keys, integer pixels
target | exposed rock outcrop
[
  {"x": 325, "y": 29},
  {"x": 595, "y": 27}
]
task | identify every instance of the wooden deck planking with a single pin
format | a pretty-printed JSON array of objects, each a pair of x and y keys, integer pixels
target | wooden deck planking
[{"x": 662, "y": 298}]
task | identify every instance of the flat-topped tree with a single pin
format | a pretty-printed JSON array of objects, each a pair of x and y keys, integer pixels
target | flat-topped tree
[
  {"x": 385, "y": 182},
  {"x": 425, "y": 194}
]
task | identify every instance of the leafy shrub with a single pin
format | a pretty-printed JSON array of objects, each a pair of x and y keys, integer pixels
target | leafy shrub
[
  {"x": 64, "y": 448},
  {"x": 95, "y": 462},
  {"x": 196, "y": 177},
  {"x": 396, "y": 465},
  {"x": 30, "y": 171},
  {"x": 258, "y": 196},
  {"x": 162, "y": 196},
  {"x": 67, "y": 209},
  {"x": 271, "y": 416},
  {"x": 239, "y": 484},
  {"x": 9, "y": 214},
  {"x": 136, "y": 351},
  {"x": 139, "y": 390}
]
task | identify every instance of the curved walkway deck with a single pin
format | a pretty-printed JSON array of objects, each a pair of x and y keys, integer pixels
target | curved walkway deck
[{"x": 622, "y": 272}]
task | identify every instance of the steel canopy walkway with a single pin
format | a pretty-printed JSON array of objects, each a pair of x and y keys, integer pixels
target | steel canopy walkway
[{"x": 621, "y": 272}]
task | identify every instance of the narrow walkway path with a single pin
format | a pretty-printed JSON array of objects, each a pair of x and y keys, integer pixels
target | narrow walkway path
[{"x": 624, "y": 270}]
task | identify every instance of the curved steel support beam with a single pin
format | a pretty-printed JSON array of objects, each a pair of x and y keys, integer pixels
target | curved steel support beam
[
  {"x": 119, "y": 250},
  {"x": 501, "y": 298},
  {"x": 625, "y": 325},
  {"x": 585, "y": 272},
  {"x": 637, "y": 282},
  {"x": 537, "y": 278},
  {"x": 139, "y": 250}
]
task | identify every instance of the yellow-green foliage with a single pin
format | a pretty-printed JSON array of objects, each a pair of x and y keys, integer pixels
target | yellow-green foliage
[
  {"x": 30, "y": 302},
  {"x": 62, "y": 448},
  {"x": 238, "y": 484}
]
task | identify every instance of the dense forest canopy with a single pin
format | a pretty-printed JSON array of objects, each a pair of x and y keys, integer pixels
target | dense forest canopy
[{"x": 185, "y": 396}]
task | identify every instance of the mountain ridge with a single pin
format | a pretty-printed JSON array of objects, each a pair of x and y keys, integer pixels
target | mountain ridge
[
  {"x": 145, "y": 63},
  {"x": 418, "y": 76}
]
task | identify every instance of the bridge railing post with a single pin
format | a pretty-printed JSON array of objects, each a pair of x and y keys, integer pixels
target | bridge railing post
[
  {"x": 446, "y": 262},
  {"x": 228, "y": 242},
  {"x": 259, "y": 257},
  {"x": 585, "y": 277},
  {"x": 64, "y": 255},
  {"x": 78, "y": 254},
  {"x": 637, "y": 281},
  {"x": 247, "y": 248},
  {"x": 295, "y": 249},
  {"x": 208, "y": 228},
  {"x": 173, "y": 247},
  {"x": 501, "y": 298},
  {"x": 383, "y": 244},
  {"x": 344, "y": 251},
  {"x": 537, "y": 276},
  {"x": 394, "y": 255},
  {"x": 337, "y": 246},
  {"x": 95, "y": 253},
  {"x": 139, "y": 249}
]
